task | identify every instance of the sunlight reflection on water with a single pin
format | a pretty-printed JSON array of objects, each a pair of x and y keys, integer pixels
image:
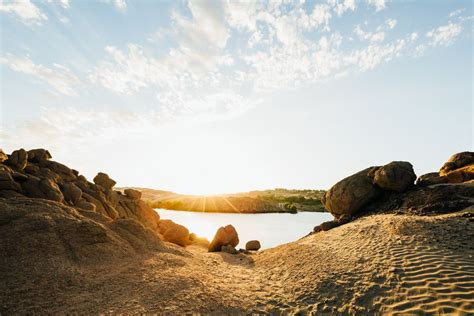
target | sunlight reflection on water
[{"x": 271, "y": 229}]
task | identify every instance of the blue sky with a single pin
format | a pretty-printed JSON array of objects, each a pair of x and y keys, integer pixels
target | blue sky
[{"x": 222, "y": 96}]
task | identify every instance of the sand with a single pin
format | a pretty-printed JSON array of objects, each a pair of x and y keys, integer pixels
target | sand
[{"x": 391, "y": 264}]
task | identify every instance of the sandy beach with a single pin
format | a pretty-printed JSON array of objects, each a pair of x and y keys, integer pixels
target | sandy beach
[{"x": 395, "y": 264}]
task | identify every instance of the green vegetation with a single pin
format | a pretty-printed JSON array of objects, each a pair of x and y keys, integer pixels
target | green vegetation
[{"x": 265, "y": 201}]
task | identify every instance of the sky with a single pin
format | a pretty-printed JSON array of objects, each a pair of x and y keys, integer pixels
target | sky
[{"x": 216, "y": 96}]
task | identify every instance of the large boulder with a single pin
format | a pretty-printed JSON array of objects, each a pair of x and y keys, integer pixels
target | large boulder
[
  {"x": 396, "y": 176},
  {"x": 224, "y": 236},
  {"x": 350, "y": 194},
  {"x": 133, "y": 194},
  {"x": 36, "y": 155},
  {"x": 104, "y": 181},
  {"x": 18, "y": 159},
  {"x": 457, "y": 161}
]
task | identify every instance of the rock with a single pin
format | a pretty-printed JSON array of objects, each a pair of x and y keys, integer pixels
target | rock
[
  {"x": 457, "y": 161},
  {"x": 328, "y": 225},
  {"x": 72, "y": 194},
  {"x": 350, "y": 194},
  {"x": 229, "y": 249},
  {"x": 3, "y": 156},
  {"x": 396, "y": 176},
  {"x": 42, "y": 188},
  {"x": 430, "y": 179},
  {"x": 51, "y": 190},
  {"x": 85, "y": 205},
  {"x": 174, "y": 233},
  {"x": 18, "y": 159},
  {"x": 460, "y": 175},
  {"x": 104, "y": 181},
  {"x": 6, "y": 180},
  {"x": 224, "y": 236},
  {"x": 133, "y": 194},
  {"x": 36, "y": 155},
  {"x": 344, "y": 219},
  {"x": 253, "y": 245},
  {"x": 436, "y": 199}
]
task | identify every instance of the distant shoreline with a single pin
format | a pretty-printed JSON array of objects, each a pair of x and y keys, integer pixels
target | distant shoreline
[{"x": 250, "y": 213}]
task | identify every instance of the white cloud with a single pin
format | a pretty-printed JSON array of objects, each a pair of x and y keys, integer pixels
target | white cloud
[
  {"x": 62, "y": 3},
  {"x": 378, "y": 4},
  {"x": 377, "y": 36},
  {"x": 25, "y": 10},
  {"x": 340, "y": 7},
  {"x": 241, "y": 14},
  {"x": 456, "y": 12},
  {"x": 120, "y": 5},
  {"x": 59, "y": 77},
  {"x": 391, "y": 23},
  {"x": 444, "y": 35}
]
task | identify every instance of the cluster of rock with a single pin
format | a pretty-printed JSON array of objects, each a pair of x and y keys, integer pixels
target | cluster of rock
[
  {"x": 32, "y": 174},
  {"x": 227, "y": 238},
  {"x": 392, "y": 187}
]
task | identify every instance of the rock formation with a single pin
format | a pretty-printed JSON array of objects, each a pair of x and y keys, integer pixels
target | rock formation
[
  {"x": 390, "y": 187},
  {"x": 224, "y": 236},
  {"x": 32, "y": 174}
]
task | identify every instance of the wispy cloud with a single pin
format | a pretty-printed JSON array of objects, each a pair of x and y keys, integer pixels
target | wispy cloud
[
  {"x": 444, "y": 35},
  {"x": 59, "y": 77},
  {"x": 25, "y": 10}
]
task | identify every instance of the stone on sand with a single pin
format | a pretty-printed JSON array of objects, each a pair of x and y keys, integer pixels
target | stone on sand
[{"x": 224, "y": 236}]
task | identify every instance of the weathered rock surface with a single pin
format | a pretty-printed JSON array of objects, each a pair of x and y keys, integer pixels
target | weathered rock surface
[
  {"x": 396, "y": 176},
  {"x": 253, "y": 245},
  {"x": 3, "y": 156},
  {"x": 457, "y": 161},
  {"x": 104, "y": 180},
  {"x": 133, "y": 194},
  {"x": 350, "y": 194},
  {"x": 224, "y": 236},
  {"x": 175, "y": 233},
  {"x": 18, "y": 159},
  {"x": 36, "y": 155}
]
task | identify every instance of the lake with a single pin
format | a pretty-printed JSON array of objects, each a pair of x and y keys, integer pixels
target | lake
[{"x": 271, "y": 229}]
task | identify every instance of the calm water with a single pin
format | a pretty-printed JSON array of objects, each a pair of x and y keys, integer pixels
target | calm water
[{"x": 271, "y": 229}]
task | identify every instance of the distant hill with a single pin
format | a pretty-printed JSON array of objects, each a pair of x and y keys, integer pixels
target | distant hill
[{"x": 265, "y": 201}]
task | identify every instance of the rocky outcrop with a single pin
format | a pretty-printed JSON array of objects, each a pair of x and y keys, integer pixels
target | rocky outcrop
[
  {"x": 390, "y": 188},
  {"x": 349, "y": 195},
  {"x": 253, "y": 245},
  {"x": 224, "y": 236},
  {"x": 458, "y": 169},
  {"x": 32, "y": 174}
]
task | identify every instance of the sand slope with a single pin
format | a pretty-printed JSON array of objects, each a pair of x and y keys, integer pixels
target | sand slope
[{"x": 394, "y": 264}]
